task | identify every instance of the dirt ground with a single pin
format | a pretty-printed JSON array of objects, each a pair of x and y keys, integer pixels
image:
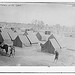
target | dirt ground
[
  {"x": 32, "y": 56},
  {"x": 27, "y": 56}
]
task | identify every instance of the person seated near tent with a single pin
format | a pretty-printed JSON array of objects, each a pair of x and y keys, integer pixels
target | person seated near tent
[
  {"x": 56, "y": 55},
  {"x": 12, "y": 51}
]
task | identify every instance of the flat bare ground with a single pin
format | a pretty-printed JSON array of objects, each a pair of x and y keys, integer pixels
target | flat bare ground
[
  {"x": 28, "y": 56},
  {"x": 32, "y": 56}
]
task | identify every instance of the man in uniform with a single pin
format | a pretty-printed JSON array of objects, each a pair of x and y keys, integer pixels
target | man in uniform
[{"x": 56, "y": 55}]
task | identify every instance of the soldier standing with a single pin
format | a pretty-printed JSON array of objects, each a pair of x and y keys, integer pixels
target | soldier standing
[{"x": 56, "y": 55}]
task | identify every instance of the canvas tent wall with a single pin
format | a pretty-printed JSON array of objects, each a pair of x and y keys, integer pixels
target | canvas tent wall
[
  {"x": 48, "y": 47},
  {"x": 21, "y": 41},
  {"x": 41, "y": 36},
  {"x": 17, "y": 42},
  {"x": 24, "y": 40},
  {"x": 32, "y": 38},
  {"x": 4, "y": 37}
]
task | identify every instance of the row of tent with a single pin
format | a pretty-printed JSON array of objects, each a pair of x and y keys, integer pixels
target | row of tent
[{"x": 10, "y": 37}]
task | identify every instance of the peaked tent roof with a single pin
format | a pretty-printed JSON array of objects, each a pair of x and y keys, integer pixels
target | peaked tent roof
[
  {"x": 21, "y": 40},
  {"x": 5, "y": 37},
  {"x": 55, "y": 44},
  {"x": 17, "y": 42},
  {"x": 24, "y": 40},
  {"x": 32, "y": 38},
  {"x": 12, "y": 34},
  {"x": 50, "y": 46},
  {"x": 54, "y": 39}
]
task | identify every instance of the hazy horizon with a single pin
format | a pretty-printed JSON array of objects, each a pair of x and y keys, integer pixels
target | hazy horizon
[{"x": 49, "y": 13}]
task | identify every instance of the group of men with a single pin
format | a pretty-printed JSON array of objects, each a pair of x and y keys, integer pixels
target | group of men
[{"x": 5, "y": 46}]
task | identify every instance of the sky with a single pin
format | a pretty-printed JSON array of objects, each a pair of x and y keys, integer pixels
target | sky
[{"x": 48, "y": 12}]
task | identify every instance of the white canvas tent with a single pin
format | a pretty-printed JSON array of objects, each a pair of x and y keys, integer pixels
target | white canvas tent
[
  {"x": 12, "y": 34},
  {"x": 24, "y": 40},
  {"x": 32, "y": 38},
  {"x": 5, "y": 36},
  {"x": 21, "y": 40},
  {"x": 55, "y": 44},
  {"x": 7, "y": 40},
  {"x": 50, "y": 45}
]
